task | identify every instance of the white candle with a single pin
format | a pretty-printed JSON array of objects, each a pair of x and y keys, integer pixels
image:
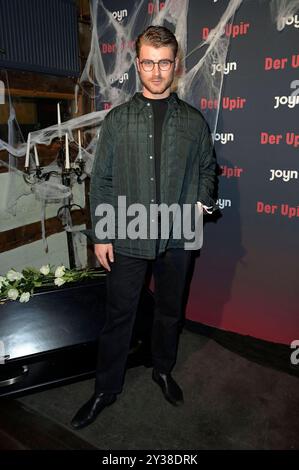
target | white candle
[
  {"x": 67, "y": 154},
  {"x": 27, "y": 151},
  {"x": 58, "y": 120},
  {"x": 36, "y": 156},
  {"x": 79, "y": 141}
]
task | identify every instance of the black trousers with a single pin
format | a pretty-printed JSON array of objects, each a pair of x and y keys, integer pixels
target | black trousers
[{"x": 124, "y": 284}]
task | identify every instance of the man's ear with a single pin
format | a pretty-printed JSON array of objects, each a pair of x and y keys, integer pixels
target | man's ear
[
  {"x": 137, "y": 64},
  {"x": 176, "y": 64}
]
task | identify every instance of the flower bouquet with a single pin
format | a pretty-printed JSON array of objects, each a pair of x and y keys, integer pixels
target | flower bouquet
[{"x": 22, "y": 285}]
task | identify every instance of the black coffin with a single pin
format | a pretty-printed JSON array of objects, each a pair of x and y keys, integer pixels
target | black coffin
[{"x": 52, "y": 339}]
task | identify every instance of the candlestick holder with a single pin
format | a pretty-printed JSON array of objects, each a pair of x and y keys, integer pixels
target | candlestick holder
[
  {"x": 67, "y": 175},
  {"x": 39, "y": 174}
]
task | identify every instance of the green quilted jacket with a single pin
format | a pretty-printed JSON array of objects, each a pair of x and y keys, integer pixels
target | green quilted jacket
[{"x": 124, "y": 166}]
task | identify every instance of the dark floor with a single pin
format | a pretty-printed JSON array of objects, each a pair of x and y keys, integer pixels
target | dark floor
[{"x": 230, "y": 403}]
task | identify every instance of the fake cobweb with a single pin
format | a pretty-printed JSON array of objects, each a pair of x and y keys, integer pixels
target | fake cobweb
[{"x": 107, "y": 85}]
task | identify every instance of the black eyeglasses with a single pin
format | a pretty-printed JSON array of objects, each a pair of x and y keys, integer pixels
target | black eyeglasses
[{"x": 163, "y": 64}]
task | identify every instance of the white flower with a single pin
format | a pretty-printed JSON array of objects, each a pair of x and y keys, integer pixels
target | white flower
[
  {"x": 45, "y": 269},
  {"x": 13, "y": 275},
  {"x": 25, "y": 297},
  {"x": 59, "y": 281},
  {"x": 12, "y": 294},
  {"x": 2, "y": 281},
  {"x": 60, "y": 271}
]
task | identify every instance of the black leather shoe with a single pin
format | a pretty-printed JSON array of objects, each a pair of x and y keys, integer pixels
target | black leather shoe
[
  {"x": 90, "y": 410},
  {"x": 169, "y": 387}
]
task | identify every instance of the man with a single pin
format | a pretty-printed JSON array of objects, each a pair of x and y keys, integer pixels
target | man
[{"x": 153, "y": 149}]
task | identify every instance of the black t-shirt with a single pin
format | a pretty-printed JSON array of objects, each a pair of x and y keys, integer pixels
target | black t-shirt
[{"x": 159, "y": 110}]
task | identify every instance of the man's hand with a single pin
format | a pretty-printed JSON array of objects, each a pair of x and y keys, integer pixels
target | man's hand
[{"x": 104, "y": 252}]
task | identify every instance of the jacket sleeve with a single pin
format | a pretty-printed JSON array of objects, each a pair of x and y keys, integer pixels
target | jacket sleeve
[
  {"x": 101, "y": 190},
  {"x": 207, "y": 170}
]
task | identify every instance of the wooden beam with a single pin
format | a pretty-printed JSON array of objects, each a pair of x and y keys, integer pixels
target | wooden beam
[
  {"x": 16, "y": 237},
  {"x": 40, "y": 94},
  {"x": 37, "y": 84}
]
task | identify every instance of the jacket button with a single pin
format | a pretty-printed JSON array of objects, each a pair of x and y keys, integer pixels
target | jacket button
[{"x": 150, "y": 136}]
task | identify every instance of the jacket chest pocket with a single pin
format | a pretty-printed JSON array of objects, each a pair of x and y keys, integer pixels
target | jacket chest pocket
[{"x": 186, "y": 143}]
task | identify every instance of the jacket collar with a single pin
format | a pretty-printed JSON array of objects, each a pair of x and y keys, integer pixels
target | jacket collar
[{"x": 141, "y": 103}]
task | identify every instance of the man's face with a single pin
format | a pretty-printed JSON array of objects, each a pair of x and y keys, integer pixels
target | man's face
[{"x": 157, "y": 83}]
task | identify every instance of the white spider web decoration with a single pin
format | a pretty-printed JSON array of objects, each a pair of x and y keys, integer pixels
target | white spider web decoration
[{"x": 104, "y": 75}]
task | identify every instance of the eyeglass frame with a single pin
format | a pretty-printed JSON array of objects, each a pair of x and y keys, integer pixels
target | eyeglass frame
[{"x": 157, "y": 62}]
